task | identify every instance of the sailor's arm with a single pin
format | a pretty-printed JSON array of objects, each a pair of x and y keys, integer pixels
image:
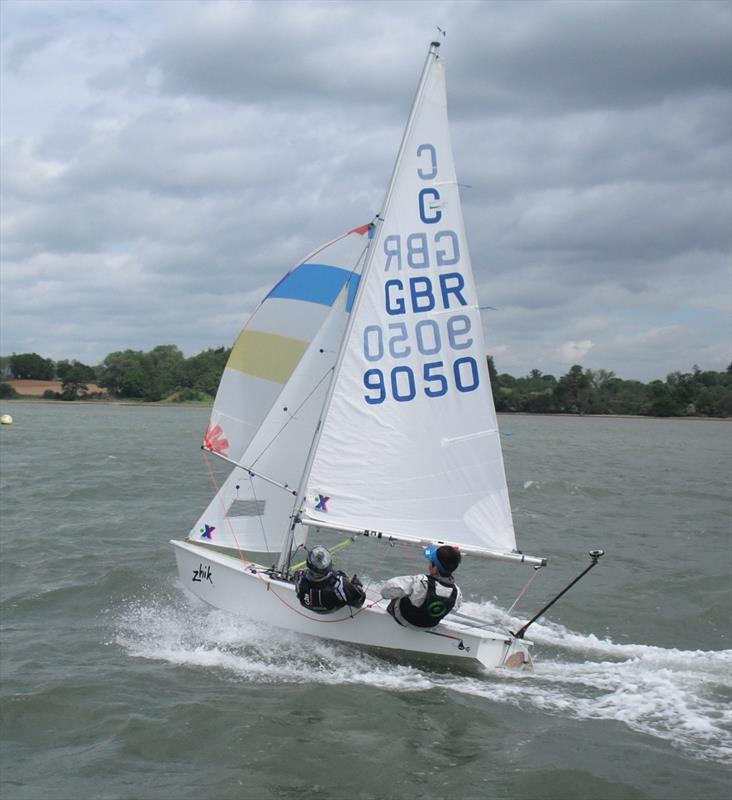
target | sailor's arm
[{"x": 401, "y": 586}]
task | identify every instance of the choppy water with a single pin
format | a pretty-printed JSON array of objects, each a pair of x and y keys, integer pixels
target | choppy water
[{"x": 117, "y": 684}]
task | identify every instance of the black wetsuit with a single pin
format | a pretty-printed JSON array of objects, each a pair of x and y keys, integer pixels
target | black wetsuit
[
  {"x": 434, "y": 607},
  {"x": 324, "y": 594}
]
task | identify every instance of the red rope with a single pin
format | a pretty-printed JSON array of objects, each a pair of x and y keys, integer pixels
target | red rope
[
  {"x": 522, "y": 592},
  {"x": 224, "y": 509}
]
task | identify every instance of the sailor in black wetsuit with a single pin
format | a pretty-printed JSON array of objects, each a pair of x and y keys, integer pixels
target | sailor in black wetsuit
[
  {"x": 421, "y": 601},
  {"x": 322, "y": 590}
]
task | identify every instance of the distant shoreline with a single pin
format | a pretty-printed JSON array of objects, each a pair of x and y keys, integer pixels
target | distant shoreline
[
  {"x": 192, "y": 404},
  {"x": 141, "y": 403}
]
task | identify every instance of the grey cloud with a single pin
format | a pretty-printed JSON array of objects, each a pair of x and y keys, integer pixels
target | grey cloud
[
  {"x": 24, "y": 48},
  {"x": 186, "y": 159},
  {"x": 276, "y": 55},
  {"x": 559, "y": 57}
]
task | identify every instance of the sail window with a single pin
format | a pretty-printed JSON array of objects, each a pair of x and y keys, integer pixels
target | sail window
[{"x": 247, "y": 508}]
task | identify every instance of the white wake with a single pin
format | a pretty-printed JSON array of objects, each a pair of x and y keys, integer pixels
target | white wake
[{"x": 675, "y": 695}]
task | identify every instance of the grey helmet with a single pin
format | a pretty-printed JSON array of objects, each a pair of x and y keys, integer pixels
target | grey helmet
[{"x": 319, "y": 559}]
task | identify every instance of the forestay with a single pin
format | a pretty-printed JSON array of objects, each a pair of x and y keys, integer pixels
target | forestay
[
  {"x": 409, "y": 445},
  {"x": 272, "y": 393}
]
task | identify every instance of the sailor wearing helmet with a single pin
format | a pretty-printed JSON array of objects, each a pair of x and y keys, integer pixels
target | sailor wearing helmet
[
  {"x": 321, "y": 589},
  {"x": 421, "y": 601}
]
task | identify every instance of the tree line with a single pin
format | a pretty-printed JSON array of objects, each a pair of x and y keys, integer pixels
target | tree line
[
  {"x": 164, "y": 373},
  {"x": 704, "y": 393}
]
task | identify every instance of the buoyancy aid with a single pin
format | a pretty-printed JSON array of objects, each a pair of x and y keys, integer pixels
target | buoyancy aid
[
  {"x": 327, "y": 594},
  {"x": 434, "y": 608}
]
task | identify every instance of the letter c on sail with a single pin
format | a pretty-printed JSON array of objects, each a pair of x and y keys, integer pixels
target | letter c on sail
[
  {"x": 428, "y": 148},
  {"x": 434, "y": 195}
]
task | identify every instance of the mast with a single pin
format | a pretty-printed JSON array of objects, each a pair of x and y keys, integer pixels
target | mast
[{"x": 285, "y": 554}]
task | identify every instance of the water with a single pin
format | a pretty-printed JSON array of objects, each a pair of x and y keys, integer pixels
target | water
[{"x": 117, "y": 684}]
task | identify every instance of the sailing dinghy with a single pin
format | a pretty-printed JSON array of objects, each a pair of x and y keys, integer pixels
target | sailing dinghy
[{"x": 357, "y": 399}]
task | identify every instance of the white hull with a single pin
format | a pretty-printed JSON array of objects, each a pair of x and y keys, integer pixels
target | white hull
[{"x": 243, "y": 588}]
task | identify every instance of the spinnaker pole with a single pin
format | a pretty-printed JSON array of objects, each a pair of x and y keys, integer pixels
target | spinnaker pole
[{"x": 250, "y": 472}]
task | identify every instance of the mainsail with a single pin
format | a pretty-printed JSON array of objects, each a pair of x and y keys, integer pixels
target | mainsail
[
  {"x": 271, "y": 395},
  {"x": 409, "y": 445}
]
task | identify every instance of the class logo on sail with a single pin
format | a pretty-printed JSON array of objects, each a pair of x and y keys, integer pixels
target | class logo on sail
[{"x": 207, "y": 531}]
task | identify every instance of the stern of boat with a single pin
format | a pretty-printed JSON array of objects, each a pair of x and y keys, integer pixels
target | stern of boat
[{"x": 518, "y": 656}]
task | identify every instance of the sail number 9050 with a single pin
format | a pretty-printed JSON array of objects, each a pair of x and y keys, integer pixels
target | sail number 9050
[
  {"x": 401, "y": 383},
  {"x": 432, "y": 378}
]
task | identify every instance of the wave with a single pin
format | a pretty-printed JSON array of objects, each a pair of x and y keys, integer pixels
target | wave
[{"x": 674, "y": 695}]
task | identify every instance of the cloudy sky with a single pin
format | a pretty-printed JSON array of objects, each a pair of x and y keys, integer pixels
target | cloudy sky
[{"x": 164, "y": 163}]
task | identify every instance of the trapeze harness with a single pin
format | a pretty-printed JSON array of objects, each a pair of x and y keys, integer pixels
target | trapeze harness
[
  {"x": 328, "y": 593},
  {"x": 433, "y": 609}
]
